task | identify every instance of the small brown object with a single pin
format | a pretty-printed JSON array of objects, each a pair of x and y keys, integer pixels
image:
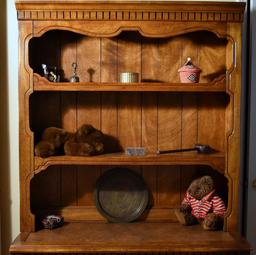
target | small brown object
[
  {"x": 212, "y": 222},
  {"x": 78, "y": 149},
  {"x": 52, "y": 142},
  {"x": 86, "y": 141},
  {"x": 52, "y": 221}
]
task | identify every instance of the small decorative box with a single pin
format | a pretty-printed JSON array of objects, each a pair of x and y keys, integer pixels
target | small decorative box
[
  {"x": 135, "y": 151},
  {"x": 189, "y": 73},
  {"x": 128, "y": 77}
]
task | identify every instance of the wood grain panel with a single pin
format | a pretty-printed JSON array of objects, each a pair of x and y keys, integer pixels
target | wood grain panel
[
  {"x": 150, "y": 60},
  {"x": 169, "y": 59},
  {"x": 88, "y": 111},
  {"x": 68, "y": 186},
  {"x": 129, "y": 121},
  {"x": 69, "y": 111},
  {"x": 88, "y": 58},
  {"x": 169, "y": 137},
  {"x": 45, "y": 189},
  {"x": 189, "y": 120},
  {"x": 109, "y": 101},
  {"x": 189, "y": 101},
  {"x": 169, "y": 121},
  {"x": 69, "y": 123},
  {"x": 211, "y": 120},
  {"x": 129, "y": 52},
  {"x": 108, "y": 66},
  {"x": 47, "y": 111},
  {"x": 149, "y": 141},
  {"x": 68, "y": 53},
  {"x": 190, "y": 48},
  {"x": 168, "y": 186},
  {"x": 86, "y": 180},
  {"x": 189, "y": 137},
  {"x": 129, "y": 104},
  {"x": 69, "y": 174},
  {"x": 212, "y": 57},
  {"x": 149, "y": 72}
]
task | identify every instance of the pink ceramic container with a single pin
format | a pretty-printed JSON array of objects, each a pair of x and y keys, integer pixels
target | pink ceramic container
[{"x": 189, "y": 73}]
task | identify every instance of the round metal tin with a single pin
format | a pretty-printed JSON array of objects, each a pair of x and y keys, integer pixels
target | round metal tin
[{"x": 121, "y": 195}]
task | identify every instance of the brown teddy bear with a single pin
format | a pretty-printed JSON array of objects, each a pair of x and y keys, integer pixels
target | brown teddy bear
[
  {"x": 52, "y": 142},
  {"x": 85, "y": 142},
  {"x": 56, "y": 141},
  {"x": 202, "y": 205}
]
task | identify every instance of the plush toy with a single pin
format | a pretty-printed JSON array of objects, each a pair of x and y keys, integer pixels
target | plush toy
[
  {"x": 86, "y": 141},
  {"x": 52, "y": 142},
  {"x": 202, "y": 205}
]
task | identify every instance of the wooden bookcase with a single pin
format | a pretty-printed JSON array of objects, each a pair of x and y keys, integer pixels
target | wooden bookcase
[{"x": 153, "y": 39}]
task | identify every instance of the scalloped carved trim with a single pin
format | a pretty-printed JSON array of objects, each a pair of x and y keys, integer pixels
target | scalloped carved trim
[{"x": 101, "y": 15}]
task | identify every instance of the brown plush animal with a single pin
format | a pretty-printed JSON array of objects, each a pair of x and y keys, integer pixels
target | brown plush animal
[
  {"x": 86, "y": 141},
  {"x": 202, "y": 205},
  {"x": 52, "y": 142}
]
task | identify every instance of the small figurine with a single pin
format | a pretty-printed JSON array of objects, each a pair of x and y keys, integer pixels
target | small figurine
[
  {"x": 53, "y": 221},
  {"x": 189, "y": 73},
  {"x": 45, "y": 71},
  {"x": 54, "y": 76},
  {"x": 91, "y": 72},
  {"x": 74, "y": 77},
  {"x": 50, "y": 73}
]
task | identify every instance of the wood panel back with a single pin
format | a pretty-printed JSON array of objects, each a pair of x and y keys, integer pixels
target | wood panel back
[
  {"x": 153, "y": 120},
  {"x": 167, "y": 55}
]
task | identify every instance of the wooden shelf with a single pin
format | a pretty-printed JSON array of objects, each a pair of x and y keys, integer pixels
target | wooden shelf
[
  {"x": 215, "y": 160},
  {"x": 42, "y": 84},
  {"x": 131, "y": 238}
]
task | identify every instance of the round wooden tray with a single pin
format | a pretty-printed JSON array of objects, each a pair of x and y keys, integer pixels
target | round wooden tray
[{"x": 121, "y": 195}]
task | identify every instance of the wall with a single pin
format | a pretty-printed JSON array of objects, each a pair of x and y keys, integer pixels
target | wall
[
  {"x": 9, "y": 160},
  {"x": 9, "y": 171}
]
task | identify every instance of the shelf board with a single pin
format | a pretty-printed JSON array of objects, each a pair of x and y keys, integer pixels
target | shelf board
[
  {"x": 215, "y": 160},
  {"x": 131, "y": 238},
  {"x": 42, "y": 84}
]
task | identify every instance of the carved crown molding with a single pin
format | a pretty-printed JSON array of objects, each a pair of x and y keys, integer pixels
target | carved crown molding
[
  {"x": 130, "y": 10},
  {"x": 98, "y": 15}
]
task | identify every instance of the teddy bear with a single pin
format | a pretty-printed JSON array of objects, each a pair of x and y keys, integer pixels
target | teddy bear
[
  {"x": 202, "y": 205},
  {"x": 52, "y": 142},
  {"x": 85, "y": 142}
]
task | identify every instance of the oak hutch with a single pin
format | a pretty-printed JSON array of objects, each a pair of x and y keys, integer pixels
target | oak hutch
[{"x": 153, "y": 39}]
